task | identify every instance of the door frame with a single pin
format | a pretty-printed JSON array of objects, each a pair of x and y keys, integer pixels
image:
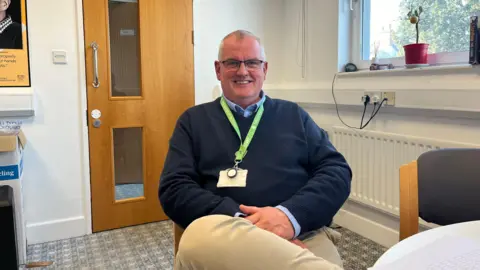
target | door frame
[
  {"x": 85, "y": 139},
  {"x": 87, "y": 205}
]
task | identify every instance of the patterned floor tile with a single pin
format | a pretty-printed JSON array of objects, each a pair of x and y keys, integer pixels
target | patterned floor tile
[
  {"x": 150, "y": 246},
  {"x": 357, "y": 252}
]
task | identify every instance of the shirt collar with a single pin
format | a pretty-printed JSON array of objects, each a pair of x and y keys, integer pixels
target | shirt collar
[
  {"x": 5, "y": 23},
  {"x": 249, "y": 110}
]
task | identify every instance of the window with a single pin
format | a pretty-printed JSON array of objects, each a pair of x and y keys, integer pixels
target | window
[{"x": 381, "y": 27}]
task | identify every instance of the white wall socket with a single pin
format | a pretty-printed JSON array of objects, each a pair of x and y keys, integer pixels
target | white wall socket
[{"x": 375, "y": 96}]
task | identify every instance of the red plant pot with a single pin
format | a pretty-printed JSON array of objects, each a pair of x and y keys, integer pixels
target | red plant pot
[{"x": 416, "y": 53}]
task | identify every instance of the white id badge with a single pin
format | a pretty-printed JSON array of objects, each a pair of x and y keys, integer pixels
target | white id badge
[{"x": 239, "y": 180}]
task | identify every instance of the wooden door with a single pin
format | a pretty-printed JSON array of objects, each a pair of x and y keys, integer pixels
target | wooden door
[{"x": 139, "y": 66}]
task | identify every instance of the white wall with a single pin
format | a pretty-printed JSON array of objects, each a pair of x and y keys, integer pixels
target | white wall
[
  {"x": 451, "y": 126},
  {"x": 278, "y": 24},
  {"x": 55, "y": 177},
  {"x": 214, "y": 19}
]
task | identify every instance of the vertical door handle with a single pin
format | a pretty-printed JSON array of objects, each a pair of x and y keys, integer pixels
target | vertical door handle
[
  {"x": 351, "y": 4},
  {"x": 96, "y": 82}
]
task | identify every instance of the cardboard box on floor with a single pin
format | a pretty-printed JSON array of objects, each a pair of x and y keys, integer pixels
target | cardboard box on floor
[{"x": 12, "y": 145}]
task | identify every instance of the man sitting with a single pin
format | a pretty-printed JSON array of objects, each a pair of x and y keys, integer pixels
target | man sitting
[{"x": 247, "y": 170}]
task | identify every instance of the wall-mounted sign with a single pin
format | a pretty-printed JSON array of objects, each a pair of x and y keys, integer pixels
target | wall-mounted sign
[
  {"x": 127, "y": 32},
  {"x": 14, "y": 58}
]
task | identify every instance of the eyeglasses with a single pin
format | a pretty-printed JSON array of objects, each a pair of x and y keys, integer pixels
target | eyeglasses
[{"x": 249, "y": 64}]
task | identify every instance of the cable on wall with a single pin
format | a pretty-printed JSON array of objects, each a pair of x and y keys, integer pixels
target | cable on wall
[
  {"x": 304, "y": 39},
  {"x": 366, "y": 100},
  {"x": 302, "y": 30}
]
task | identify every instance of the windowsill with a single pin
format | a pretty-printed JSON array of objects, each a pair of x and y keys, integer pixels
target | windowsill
[
  {"x": 442, "y": 77},
  {"x": 441, "y": 88},
  {"x": 420, "y": 71},
  {"x": 445, "y": 87}
]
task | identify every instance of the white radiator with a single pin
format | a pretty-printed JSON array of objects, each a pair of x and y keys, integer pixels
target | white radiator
[{"x": 375, "y": 158}]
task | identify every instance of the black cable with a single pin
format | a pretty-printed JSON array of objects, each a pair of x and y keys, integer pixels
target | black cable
[
  {"x": 371, "y": 117},
  {"x": 373, "y": 111},
  {"x": 336, "y": 105},
  {"x": 364, "y": 110},
  {"x": 365, "y": 107}
]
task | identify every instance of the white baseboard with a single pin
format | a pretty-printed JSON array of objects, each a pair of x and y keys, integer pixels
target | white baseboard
[
  {"x": 56, "y": 230},
  {"x": 370, "y": 229}
]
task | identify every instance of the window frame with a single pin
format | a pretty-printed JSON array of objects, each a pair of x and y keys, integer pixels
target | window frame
[{"x": 361, "y": 35}]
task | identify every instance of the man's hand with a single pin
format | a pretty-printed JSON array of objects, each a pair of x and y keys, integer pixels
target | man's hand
[{"x": 270, "y": 219}]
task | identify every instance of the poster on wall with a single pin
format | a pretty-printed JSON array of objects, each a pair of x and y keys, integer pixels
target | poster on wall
[{"x": 14, "y": 58}]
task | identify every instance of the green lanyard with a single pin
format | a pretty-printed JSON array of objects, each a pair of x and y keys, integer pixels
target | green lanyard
[{"x": 242, "y": 151}]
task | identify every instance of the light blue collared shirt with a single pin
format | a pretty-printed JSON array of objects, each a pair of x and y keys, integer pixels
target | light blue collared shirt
[{"x": 250, "y": 110}]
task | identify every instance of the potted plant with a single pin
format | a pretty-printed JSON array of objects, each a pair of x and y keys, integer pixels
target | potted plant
[{"x": 416, "y": 53}]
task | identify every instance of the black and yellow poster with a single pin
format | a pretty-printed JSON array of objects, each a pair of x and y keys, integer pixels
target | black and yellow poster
[{"x": 14, "y": 58}]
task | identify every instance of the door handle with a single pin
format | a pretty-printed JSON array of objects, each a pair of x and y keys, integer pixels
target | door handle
[
  {"x": 351, "y": 4},
  {"x": 96, "y": 82}
]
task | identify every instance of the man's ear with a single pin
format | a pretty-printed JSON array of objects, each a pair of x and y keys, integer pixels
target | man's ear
[
  {"x": 217, "y": 70},
  {"x": 265, "y": 69}
]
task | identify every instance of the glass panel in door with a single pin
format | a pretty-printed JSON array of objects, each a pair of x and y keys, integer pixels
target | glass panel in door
[
  {"x": 124, "y": 48},
  {"x": 128, "y": 162}
]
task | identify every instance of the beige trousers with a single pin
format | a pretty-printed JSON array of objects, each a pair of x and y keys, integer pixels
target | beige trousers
[{"x": 220, "y": 242}]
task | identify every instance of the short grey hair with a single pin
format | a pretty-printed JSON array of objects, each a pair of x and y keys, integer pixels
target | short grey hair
[{"x": 241, "y": 34}]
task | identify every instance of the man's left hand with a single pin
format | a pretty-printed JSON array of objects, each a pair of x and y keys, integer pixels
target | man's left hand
[{"x": 270, "y": 219}]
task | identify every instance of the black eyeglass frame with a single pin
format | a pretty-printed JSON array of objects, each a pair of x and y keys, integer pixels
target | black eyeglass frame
[{"x": 238, "y": 63}]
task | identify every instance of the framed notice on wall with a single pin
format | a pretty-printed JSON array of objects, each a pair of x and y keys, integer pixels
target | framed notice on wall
[{"x": 14, "y": 57}]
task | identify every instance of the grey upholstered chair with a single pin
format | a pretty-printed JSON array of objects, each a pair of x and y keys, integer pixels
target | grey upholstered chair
[{"x": 442, "y": 187}]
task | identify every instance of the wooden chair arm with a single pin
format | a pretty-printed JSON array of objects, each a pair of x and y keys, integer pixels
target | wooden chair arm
[{"x": 408, "y": 200}]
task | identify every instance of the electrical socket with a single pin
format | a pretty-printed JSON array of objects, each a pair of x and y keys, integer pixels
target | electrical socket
[
  {"x": 391, "y": 98},
  {"x": 375, "y": 96}
]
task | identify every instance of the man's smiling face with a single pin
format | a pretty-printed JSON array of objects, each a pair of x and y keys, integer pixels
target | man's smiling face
[{"x": 241, "y": 84}]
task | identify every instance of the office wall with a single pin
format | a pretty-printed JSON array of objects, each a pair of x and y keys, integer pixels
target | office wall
[
  {"x": 213, "y": 19},
  {"x": 55, "y": 191}
]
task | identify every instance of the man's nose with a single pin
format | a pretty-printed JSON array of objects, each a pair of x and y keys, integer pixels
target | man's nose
[{"x": 242, "y": 69}]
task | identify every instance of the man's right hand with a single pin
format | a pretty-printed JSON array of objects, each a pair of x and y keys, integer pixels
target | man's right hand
[{"x": 270, "y": 219}]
